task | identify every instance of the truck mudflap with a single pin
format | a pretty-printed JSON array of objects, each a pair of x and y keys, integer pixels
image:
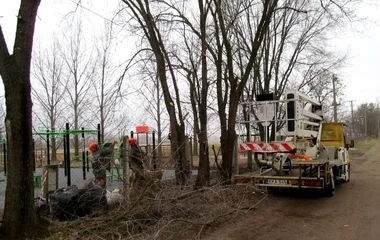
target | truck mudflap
[{"x": 281, "y": 181}]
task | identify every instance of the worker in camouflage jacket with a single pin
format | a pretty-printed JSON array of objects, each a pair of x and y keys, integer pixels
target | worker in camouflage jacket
[
  {"x": 101, "y": 161},
  {"x": 136, "y": 159}
]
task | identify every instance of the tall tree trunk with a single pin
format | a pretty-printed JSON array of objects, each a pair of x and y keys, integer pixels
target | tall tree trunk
[
  {"x": 76, "y": 137},
  {"x": 178, "y": 151},
  {"x": 228, "y": 141},
  {"x": 261, "y": 131},
  {"x": 272, "y": 136},
  {"x": 20, "y": 192},
  {"x": 246, "y": 117},
  {"x": 195, "y": 141},
  {"x": 203, "y": 176},
  {"x": 178, "y": 138},
  {"x": 194, "y": 107},
  {"x": 53, "y": 140},
  {"x": 53, "y": 149},
  {"x": 102, "y": 121},
  {"x": 236, "y": 86},
  {"x": 159, "y": 131},
  {"x": 19, "y": 216}
]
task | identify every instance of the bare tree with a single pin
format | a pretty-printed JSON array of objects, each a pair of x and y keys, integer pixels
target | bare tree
[
  {"x": 321, "y": 89},
  {"x": 50, "y": 89},
  {"x": 203, "y": 177},
  {"x": 19, "y": 216},
  {"x": 152, "y": 93},
  {"x": 106, "y": 85},
  {"x": 221, "y": 48},
  {"x": 194, "y": 62},
  {"x": 199, "y": 90},
  {"x": 244, "y": 40},
  {"x": 142, "y": 12},
  {"x": 294, "y": 51},
  {"x": 366, "y": 120},
  {"x": 230, "y": 84},
  {"x": 80, "y": 72}
]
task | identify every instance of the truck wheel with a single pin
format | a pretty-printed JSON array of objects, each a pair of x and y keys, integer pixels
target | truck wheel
[{"x": 330, "y": 189}]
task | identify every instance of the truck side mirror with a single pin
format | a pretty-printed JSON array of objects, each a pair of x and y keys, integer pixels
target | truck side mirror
[{"x": 352, "y": 143}]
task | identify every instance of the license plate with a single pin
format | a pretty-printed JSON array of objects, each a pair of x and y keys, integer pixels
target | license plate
[{"x": 276, "y": 181}]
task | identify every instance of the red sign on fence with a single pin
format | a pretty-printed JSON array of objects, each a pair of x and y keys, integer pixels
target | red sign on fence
[{"x": 142, "y": 129}]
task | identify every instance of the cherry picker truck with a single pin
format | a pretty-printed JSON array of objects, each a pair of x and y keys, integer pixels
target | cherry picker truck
[{"x": 312, "y": 153}]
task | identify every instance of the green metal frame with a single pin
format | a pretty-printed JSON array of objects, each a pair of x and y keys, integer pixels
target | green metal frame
[{"x": 64, "y": 132}]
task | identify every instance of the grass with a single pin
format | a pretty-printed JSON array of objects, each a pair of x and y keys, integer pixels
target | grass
[
  {"x": 362, "y": 146},
  {"x": 365, "y": 144}
]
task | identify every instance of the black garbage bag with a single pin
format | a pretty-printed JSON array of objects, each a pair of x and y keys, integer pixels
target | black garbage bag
[
  {"x": 92, "y": 199},
  {"x": 71, "y": 203},
  {"x": 41, "y": 206},
  {"x": 64, "y": 203}
]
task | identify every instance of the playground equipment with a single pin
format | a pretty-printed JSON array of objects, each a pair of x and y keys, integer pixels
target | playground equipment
[
  {"x": 150, "y": 158},
  {"x": 65, "y": 134},
  {"x": 145, "y": 131}
]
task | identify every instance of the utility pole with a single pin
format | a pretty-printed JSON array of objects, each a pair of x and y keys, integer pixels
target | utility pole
[
  {"x": 334, "y": 101},
  {"x": 352, "y": 117}
]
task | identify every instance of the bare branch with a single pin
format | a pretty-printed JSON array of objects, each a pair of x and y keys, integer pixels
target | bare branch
[{"x": 291, "y": 8}]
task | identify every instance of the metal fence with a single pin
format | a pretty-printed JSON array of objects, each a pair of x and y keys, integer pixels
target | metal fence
[{"x": 79, "y": 171}]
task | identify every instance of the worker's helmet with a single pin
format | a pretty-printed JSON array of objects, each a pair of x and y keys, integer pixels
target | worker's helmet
[
  {"x": 132, "y": 141},
  {"x": 93, "y": 147}
]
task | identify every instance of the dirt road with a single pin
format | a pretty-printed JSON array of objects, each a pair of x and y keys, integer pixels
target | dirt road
[{"x": 353, "y": 213}]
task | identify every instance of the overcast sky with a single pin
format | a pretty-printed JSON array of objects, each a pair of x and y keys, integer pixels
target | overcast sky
[{"x": 361, "y": 75}]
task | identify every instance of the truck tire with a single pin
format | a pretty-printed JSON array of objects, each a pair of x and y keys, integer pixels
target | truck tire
[{"x": 330, "y": 189}]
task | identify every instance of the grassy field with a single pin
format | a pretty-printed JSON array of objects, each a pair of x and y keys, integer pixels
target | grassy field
[
  {"x": 364, "y": 145},
  {"x": 361, "y": 147}
]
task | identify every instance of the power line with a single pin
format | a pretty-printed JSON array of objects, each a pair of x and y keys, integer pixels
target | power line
[{"x": 79, "y": 4}]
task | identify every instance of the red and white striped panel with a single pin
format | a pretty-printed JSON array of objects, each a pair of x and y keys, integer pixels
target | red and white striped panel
[{"x": 267, "y": 147}]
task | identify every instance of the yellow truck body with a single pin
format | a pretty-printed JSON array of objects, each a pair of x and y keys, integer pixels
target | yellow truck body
[{"x": 333, "y": 135}]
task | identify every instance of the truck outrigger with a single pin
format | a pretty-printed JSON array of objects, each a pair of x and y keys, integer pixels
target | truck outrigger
[{"x": 312, "y": 154}]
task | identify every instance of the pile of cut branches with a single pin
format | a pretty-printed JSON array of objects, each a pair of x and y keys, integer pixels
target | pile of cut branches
[{"x": 164, "y": 211}]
